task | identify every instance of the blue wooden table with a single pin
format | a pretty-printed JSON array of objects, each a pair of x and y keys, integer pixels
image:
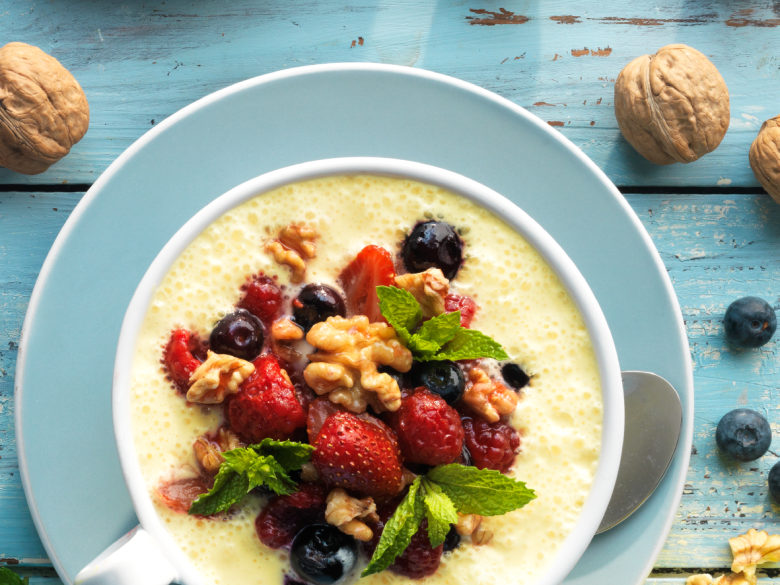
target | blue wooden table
[{"x": 715, "y": 228}]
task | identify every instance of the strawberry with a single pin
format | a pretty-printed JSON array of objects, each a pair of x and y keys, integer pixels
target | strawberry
[
  {"x": 428, "y": 429},
  {"x": 262, "y": 298},
  {"x": 465, "y": 305},
  {"x": 372, "y": 267},
  {"x": 266, "y": 405},
  {"x": 178, "y": 495},
  {"x": 178, "y": 359},
  {"x": 284, "y": 516},
  {"x": 357, "y": 454}
]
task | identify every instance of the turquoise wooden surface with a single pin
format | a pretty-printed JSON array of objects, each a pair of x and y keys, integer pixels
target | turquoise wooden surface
[{"x": 719, "y": 235}]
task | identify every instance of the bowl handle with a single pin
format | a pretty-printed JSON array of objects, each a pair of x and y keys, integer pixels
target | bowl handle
[{"x": 132, "y": 559}]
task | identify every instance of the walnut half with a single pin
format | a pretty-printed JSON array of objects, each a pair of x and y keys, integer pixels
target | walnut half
[
  {"x": 217, "y": 377},
  {"x": 294, "y": 245},
  {"x": 345, "y": 365},
  {"x": 343, "y": 512}
]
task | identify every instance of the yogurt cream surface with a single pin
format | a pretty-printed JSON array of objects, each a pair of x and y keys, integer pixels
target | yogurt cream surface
[{"x": 522, "y": 305}]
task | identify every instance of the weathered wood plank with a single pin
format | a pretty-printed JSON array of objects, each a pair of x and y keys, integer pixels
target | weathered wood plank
[{"x": 139, "y": 62}]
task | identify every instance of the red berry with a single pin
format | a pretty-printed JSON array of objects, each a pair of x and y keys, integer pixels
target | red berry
[
  {"x": 266, "y": 405},
  {"x": 492, "y": 445},
  {"x": 178, "y": 359},
  {"x": 178, "y": 495},
  {"x": 419, "y": 559},
  {"x": 319, "y": 411},
  {"x": 429, "y": 430},
  {"x": 284, "y": 516},
  {"x": 357, "y": 454},
  {"x": 372, "y": 267},
  {"x": 262, "y": 298},
  {"x": 466, "y": 305}
]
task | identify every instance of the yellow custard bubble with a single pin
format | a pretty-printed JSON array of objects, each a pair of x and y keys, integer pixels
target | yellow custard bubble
[{"x": 522, "y": 305}]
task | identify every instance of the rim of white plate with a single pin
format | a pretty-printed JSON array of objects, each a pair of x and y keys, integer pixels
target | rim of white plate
[
  {"x": 79, "y": 210},
  {"x": 606, "y": 355}
]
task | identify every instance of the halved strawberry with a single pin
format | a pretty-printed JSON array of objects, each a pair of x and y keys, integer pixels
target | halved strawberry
[{"x": 372, "y": 267}]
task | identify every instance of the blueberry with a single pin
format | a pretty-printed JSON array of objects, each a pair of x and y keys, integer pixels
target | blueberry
[
  {"x": 465, "y": 457},
  {"x": 322, "y": 554},
  {"x": 774, "y": 482},
  {"x": 315, "y": 303},
  {"x": 239, "y": 334},
  {"x": 515, "y": 376},
  {"x": 750, "y": 322},
  {"x": 433, "y": 244},
  {"x": 440, "y": 377},
  {"x": 743, "y": 434},
  {"x": 452, "y": 540}
]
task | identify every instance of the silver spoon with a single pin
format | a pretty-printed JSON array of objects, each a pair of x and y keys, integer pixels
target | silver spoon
[{"x": 653, "y": 424}]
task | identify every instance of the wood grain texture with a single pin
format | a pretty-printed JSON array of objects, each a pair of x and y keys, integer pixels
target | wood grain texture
[{"x": 141, "y": 61}]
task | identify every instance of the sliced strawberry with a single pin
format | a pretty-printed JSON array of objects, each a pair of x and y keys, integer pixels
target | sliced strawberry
[
  {"x": 371, "y": 268},
  {"x": 178, "y": 359},
  {"x": 465, "y": 305}
]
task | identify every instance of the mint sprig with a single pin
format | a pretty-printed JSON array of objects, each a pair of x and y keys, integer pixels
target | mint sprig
[
  {"x": 8, "y": 577},
  {"x": 440, "y": 495},
  {"x": 267, "y": 463},
  {"x": 439, "y": 338}
]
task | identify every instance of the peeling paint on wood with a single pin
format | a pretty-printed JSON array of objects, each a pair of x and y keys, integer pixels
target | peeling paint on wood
[
  {"x": 501, "y": 17},
  {"x": 566, "y": 19}
]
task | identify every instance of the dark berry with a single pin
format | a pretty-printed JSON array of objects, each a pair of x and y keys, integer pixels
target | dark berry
[
  {"x": 774, "y": 482},
  {"x": 452, "y": 540},
  {"x": 465, "y": 457},
  {"x": 284, "y": 516},
  {"x": 433, "y": 244},
  {"x": 322, "y": 554},
  {"x": 743, "y": 434},
  {"x": 515, "y": 376},
  {"x": 492, "y": 445},
  {"x": 263, "y": 298},
  {"x": 750, "y": 322},
  {"x": 444, "y": 378},
  {"x": 315, "y": 303},
  {"x": 239, "y": 334},
  {"x": 394, "y": 374}
]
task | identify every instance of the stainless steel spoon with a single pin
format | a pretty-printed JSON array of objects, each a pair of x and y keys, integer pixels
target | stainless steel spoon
[{"x": 653, "y": 424}]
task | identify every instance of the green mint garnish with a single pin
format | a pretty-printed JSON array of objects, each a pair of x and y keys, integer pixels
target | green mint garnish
[
  {"x": 439, "y": 338},
  {"x": 439, "y": 496},
  {"x": 8, "y": 577},
  {"x": 267, "y": 463}
]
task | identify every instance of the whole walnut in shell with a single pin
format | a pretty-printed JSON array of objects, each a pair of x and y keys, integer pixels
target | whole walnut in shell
[
  {"x": 765, "y": 157},
  {"x": 672, "y": 106},
  {"x": 43, "y": 110}
]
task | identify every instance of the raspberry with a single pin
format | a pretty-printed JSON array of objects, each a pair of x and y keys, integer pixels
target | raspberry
[
  {"x": 284, "y": 516},
  {"x": 178, "y": 359},
  {"x": 262, "y": 298},
  {"x": 358, "y": 454},
  {"x": 492, "y": 445},
  {"x": 429, "y": 430},
  {"x": 178, "y": 495},
  {"x": 266, "y": 405},
  {"x": 419, "y": 559},
  {"x": 465, "y": 305}
]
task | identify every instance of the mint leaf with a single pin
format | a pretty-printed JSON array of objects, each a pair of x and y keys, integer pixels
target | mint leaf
[
  {"x": 422, "y": 347},
  {"x": 470, "y": 344},
  {"x": 289, "y": 454},
  {"x": 398, "y": 532},
  {"x": 400, "y": 308},
  {"x": 480, "y": 491},
  {"x": 440, "y": 329},
  {"x": 266, "y": 470},
  {"x": 8, "y": 577},
  {"x": 229, "y": 488},
  {"x": 440, "y": 512}
]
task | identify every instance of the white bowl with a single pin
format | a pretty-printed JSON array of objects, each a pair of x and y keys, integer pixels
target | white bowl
[{"x": 149, "y": 554}]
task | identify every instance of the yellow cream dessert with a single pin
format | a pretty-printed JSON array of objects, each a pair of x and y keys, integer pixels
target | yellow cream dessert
[{"x": 187, "y": 413}]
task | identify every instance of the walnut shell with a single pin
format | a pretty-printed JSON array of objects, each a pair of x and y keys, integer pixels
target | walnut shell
[
  {"x": 43, "y": 110},
  {"x": 672, "y": 106},
  {"x": 765, "y": 157}
]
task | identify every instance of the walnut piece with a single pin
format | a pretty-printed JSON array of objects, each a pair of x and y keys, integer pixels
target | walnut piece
[
  {"x": 489, "y": 397},
  {"x": 752, "y": 549},
  {"x": 672, "y": 106},
  {"x": 217, "y": 377},
  {"x": 467, "y": 523},
  {"x": 295, "y": 243},
  {"x": 285, "y": 330},
  {"x": 309, "y": 473},
  {"x": 208, "y": 450},
  {"x": 350, "y": 350},
  {"x": 481, "y": 537},
  {"x": 735, "y": 579},
  {"x": 703, "y": 579},
  {"x": 43, "y": 110},
  {"x": 765, "y": 157},
  {"x": 343, "y": 511},
  {"x": 429, "y": 288}
]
